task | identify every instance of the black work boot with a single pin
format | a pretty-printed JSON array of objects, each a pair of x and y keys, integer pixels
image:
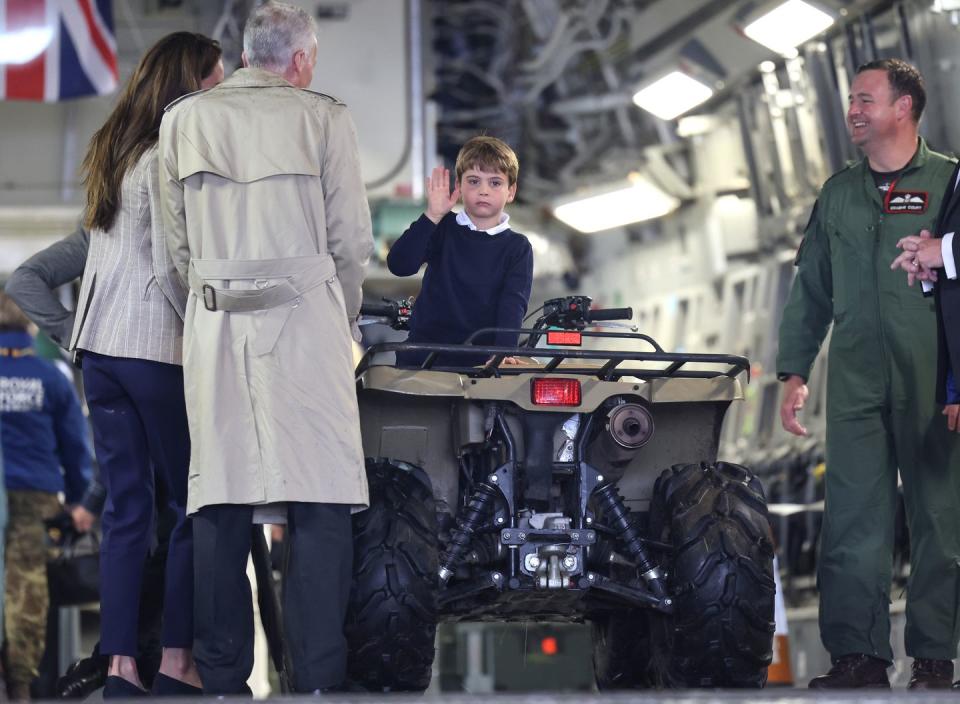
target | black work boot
[
  {"x": 855, "y": 671},
  {"x": 931, "y": 674}
]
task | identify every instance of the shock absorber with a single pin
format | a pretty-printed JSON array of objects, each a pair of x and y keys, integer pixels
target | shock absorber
[
  {"x": 611, "y": 503},
  {"x": 470, "y": 518}
]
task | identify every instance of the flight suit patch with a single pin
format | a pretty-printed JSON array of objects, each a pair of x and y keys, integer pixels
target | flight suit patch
[{"x": 913, "y": 202}]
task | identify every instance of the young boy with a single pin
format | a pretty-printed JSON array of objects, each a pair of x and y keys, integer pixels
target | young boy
[{"x": 479, "y": 271}]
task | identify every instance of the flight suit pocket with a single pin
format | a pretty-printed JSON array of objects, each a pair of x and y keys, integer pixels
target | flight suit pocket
[{"x": 846, "y": 267}]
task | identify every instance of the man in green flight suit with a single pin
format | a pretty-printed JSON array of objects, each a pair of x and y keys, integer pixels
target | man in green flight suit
[{"x": 881, "y": 415}]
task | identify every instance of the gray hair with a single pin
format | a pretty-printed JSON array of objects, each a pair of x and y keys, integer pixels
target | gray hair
[{"x": 274, "y": 32}]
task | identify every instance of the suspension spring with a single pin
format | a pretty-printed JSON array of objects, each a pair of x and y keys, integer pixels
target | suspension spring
[
  {"x": 618, "y": 516},
  {"x": 470, "y": 518}
]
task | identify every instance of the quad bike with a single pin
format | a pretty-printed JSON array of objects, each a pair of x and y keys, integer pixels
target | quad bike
[{"x": 579, "y": 486}]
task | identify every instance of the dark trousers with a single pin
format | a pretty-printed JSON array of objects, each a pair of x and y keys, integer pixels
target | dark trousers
[
  {"x": 316, "y": 586},
  {"x": 141, "y": 439}
]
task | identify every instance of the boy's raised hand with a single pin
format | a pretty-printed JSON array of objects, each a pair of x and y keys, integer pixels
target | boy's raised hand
[{"x": 440, "y": 200}]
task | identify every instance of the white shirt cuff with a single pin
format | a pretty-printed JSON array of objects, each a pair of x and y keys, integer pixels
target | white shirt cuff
[{"x": 946, "y": 251}]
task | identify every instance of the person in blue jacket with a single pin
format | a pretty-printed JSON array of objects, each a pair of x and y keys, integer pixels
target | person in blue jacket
[{"x": 43, "y": 436}]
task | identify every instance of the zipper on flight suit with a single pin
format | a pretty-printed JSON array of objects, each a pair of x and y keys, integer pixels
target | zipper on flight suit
[
  {"x": 876, "y": 280},
  {"x": 884, "y": 601}
]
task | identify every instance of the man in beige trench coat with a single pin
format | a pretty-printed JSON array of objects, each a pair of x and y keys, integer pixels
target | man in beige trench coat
[{"x": 269, "y": 223}]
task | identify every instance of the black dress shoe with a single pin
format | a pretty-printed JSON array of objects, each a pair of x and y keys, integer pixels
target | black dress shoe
[
  {"x": 855, "y": 671},
  {"x": 119, "y": 688},
  {"x": 931, "y": 674},
  {"x": 82, "y": 678},
  {"x": 346, "y": 687},
  {"x": 164, "y": 686}
]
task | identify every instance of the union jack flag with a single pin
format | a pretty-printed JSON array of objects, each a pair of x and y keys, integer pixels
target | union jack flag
[{"x": 52, "y": 50}]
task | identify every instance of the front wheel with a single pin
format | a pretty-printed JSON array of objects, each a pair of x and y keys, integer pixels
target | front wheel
[{"x": 720, "y": 575}]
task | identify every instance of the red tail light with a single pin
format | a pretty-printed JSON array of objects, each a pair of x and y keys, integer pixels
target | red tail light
[
  {"x": 548, "y": 646},
  {"x": 564, "y": 337},
  {"x": 555, "y": 392}
]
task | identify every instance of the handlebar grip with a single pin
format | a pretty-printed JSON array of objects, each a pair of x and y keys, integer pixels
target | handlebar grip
[
  {"x": 609, "y": 314},
  {"x": 379, "y": 310}
]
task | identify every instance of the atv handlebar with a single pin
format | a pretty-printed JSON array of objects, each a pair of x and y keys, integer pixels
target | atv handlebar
[
  {"x": 379, "y": 310},
  {"x": 396, "y": 314},
  {"x": 574, "y": 313},
  {"x": 569, "y": 313},
  {"x": 597, "y": 314}
]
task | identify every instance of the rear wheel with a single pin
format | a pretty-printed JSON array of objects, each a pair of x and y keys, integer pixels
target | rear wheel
[
  {"x": 392, "y": 617},
  {"x": 621, "y": 650},
  {"x": 720, "y": 575}
]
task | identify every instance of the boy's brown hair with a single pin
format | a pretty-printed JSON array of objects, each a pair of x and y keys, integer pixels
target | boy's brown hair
[{"x": 488, "y": 154}]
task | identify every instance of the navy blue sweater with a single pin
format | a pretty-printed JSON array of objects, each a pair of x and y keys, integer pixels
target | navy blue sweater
[
  {"x": 473, "y": 280},
  {"x": 41, "y": 426}
]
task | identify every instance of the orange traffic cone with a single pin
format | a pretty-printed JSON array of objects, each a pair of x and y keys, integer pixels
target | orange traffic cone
[{"x": 780, "y": 673}]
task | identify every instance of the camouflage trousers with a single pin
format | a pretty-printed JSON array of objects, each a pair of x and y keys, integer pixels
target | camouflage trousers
[{"x": 25, "y": 590}]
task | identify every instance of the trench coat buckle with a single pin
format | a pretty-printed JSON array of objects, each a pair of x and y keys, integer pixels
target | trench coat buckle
[{"x": 209, "y": 297}]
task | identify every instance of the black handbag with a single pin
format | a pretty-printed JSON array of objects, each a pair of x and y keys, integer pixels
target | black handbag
[{"x": 73, "y": 563}]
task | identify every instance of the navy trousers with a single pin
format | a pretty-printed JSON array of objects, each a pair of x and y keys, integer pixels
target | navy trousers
[
  {"x": 316, "y": 586},
  {"x": 141, "y": 440}
]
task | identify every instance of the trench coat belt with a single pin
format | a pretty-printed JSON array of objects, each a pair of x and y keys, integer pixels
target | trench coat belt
[{"x": 298, "y": 274}]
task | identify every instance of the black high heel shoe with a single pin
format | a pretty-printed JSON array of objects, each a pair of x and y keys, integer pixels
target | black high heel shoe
[
  {"x": 119, "y": 688},
  {"x": 164, "y": 686}
]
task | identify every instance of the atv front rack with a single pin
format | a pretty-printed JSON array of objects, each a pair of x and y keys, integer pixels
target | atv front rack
[{"x": 606, "y": 366}]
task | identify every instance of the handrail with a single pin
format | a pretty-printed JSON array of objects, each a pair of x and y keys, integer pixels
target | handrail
[{"x": 610, "y": 371}]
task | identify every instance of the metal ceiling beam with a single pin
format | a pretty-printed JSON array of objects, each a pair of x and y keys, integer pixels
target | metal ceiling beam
[{"x": 680, "y": 30}]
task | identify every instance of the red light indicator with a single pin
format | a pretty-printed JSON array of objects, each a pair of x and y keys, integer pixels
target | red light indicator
[
  {"x": 564, "y": 337},
  {"x": 555, "y": 392},
  {"x": 548, "y": 646}
]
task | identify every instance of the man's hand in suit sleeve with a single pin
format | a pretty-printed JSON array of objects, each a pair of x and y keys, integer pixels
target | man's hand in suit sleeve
[
  {"x": 795, "y": 394},
  {"x": 920, "y": 258}
]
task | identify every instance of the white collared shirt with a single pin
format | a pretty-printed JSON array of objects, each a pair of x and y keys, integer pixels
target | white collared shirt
[{"x": 464, "y": 219}]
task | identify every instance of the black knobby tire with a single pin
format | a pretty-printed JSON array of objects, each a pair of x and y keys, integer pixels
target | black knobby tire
[
  {"x": 392, "y": 618},
  {"x": 621, "y": 650},
  {"x": 720, "y": 577}
]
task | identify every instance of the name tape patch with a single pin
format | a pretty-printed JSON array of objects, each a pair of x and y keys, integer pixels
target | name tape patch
[{"x": 907, "y": 202}]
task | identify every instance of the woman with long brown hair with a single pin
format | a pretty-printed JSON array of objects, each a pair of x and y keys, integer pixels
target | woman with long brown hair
[{"x": 128, "y": 337}]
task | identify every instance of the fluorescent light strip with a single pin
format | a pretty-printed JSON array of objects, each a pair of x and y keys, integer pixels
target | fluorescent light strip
[
  {"x": 788, "y": 26},
  {"x": 672, "y": 95},
  {"x": 636, "y": 203}
]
